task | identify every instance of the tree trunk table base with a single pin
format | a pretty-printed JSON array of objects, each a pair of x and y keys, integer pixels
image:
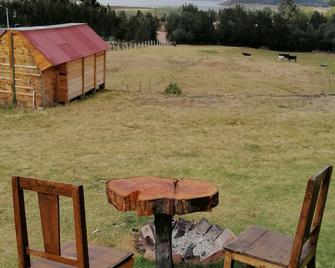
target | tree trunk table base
[{"x": 162, "y": 198}]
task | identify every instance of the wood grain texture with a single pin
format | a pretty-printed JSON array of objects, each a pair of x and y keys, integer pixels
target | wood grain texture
[
  {"x": 49, "y": 213},
  {"x": 100, "y": 257},
  {"x": 153, "y": 195}
]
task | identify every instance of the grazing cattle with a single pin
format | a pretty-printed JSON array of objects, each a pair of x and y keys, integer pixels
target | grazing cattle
[
  {"x": 281, "y": 58},
  {"x": 246, "y": 54},
  {"x": 173, "y": 43},
  {"x": 284, "y": 55},
  {"x": 292, "y": 58}
]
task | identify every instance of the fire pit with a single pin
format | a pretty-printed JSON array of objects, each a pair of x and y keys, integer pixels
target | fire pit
[{"x": 200, "y": 242}]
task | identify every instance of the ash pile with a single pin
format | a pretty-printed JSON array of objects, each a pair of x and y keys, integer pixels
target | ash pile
[{"x": 198, "y": 243}]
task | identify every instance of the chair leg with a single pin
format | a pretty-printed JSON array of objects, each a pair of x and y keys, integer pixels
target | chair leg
[
  {"x": 228, "y": 261},
  {"x": 312, "y": 263}
]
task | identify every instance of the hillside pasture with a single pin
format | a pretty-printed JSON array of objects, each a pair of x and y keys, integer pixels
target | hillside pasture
[{"x": 255, "y": 127}]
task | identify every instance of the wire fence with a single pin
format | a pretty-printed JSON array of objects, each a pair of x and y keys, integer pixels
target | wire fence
[
  {"x": 119, "y": 45},
  {"x": 139, "y": 72}
]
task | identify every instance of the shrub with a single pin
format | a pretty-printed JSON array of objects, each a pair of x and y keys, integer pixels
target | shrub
[{"x": 173, "y": 89}]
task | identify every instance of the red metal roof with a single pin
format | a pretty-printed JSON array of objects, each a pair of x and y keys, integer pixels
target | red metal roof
[{"x": 65, "y": 42}]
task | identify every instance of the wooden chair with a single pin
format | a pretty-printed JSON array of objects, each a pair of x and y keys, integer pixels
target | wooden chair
[
  {"x": 74, "y": 254},
  {"x": 260, "y": 247}
]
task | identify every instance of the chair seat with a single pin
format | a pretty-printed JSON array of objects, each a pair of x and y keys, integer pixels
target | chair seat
[
  {"x": 100, "y": 257},
  {"x": 266, "y": 245}
]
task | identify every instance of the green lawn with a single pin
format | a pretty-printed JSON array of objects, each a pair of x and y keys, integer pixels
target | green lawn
[{"x": 239, "y": 124}]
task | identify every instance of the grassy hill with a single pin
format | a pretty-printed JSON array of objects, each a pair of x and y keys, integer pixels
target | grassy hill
[{"x": 255, "y": 127}]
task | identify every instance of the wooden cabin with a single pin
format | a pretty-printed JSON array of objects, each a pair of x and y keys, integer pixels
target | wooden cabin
[{"x": 41, "y": 66}]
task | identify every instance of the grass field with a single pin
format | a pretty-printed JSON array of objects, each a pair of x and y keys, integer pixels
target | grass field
[{"x": 255, "y": 127}]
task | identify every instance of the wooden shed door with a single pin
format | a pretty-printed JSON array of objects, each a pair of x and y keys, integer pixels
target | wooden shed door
[{"x": 62, "y": 87}]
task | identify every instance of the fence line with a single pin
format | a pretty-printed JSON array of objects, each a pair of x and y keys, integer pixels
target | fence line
[
  {"x": 138, "y": 73},
  {"x": 119, "y": 45}
]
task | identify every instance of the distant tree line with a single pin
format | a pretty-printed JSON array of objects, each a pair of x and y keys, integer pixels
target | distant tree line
[
  {"x": 288, "y": 29},
  {"x": 103, "y": 19}
]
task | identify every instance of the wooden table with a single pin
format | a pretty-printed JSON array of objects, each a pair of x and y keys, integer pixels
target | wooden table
[{"x": 162, "y": 198}]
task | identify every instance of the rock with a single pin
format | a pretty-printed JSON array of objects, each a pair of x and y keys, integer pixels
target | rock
[
  {"x": 202, "y": 227},
  {"x": 214, "y": 232},
  {"x": 204, "y": 248},
  {"x": 146, "y": 243},
  {"x": 189, "y": 253},
  {"x": 149, "y": 255},
  {"x": 181, "y": 227},
  {"x": 214, "y": 258},
  {"x": 148, "y": 231},
  {"x": 191, "y": 243},
  {"x": 223, "y": 239}
]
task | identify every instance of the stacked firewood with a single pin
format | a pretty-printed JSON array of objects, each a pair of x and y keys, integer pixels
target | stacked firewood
[{"x": 200, "y": 242}]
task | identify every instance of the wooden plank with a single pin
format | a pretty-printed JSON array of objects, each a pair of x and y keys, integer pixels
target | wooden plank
[
  {"x": 272, "y": 247},
  {"x": 47, "y": 187},
  {"x": 104, "y": 73},
  {"x": 100, "y": 257},
  {"x": 12, "y": 65},
  {"x": 62, "y": 92},
  {"x": 82, "y": 76},
  {"x": 18, "y": 93},
  {"x": 19, "y": 65},
  {"x": 80, "y": 227},
  {"x": 24, "y": 87},
  {"x": 74, "y": 78},
  {"x": 51, "y": 257},
  {"x": 20, "y": 224},
  {"x": 49, "y": 213},
  {"x": 95, "y": 71},
  {"x": 246, "y": 239},
  {"x": 89, "y": 76},
  {"x": 99, "y": 69}
]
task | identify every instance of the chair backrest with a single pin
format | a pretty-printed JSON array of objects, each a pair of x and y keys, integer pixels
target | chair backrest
[
  {"x": 311, "y": 214},
  {"x": 48, "y": 199}
]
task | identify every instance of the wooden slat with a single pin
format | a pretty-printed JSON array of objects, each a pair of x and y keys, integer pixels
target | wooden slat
[
  {"x": 100, "y": 257},
  {"x": 95, "y": 71},
  {"x": 51, "y": 257},
  {"x": 82, "y": 76},
  {"x": 89, "y": 77},
  {"x": 245, "y": 239},
  {"x": 49, "y": 212},
  {"x": 47, "y": 187},
  {"x": 17, "y": 93},
  {"x": 20, "y": 223},
  {"x": 74, "y": 79},
  {"x": 272, "y": 247},
  {"x": 80, "y": 227},
  {"x": 104, "y": 72}
]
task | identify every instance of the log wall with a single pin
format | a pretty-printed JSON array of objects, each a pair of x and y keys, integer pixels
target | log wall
[{"x": 28, "y": 77}]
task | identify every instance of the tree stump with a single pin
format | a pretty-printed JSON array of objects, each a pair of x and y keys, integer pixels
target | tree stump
[{"x": 163, "y": 198}]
